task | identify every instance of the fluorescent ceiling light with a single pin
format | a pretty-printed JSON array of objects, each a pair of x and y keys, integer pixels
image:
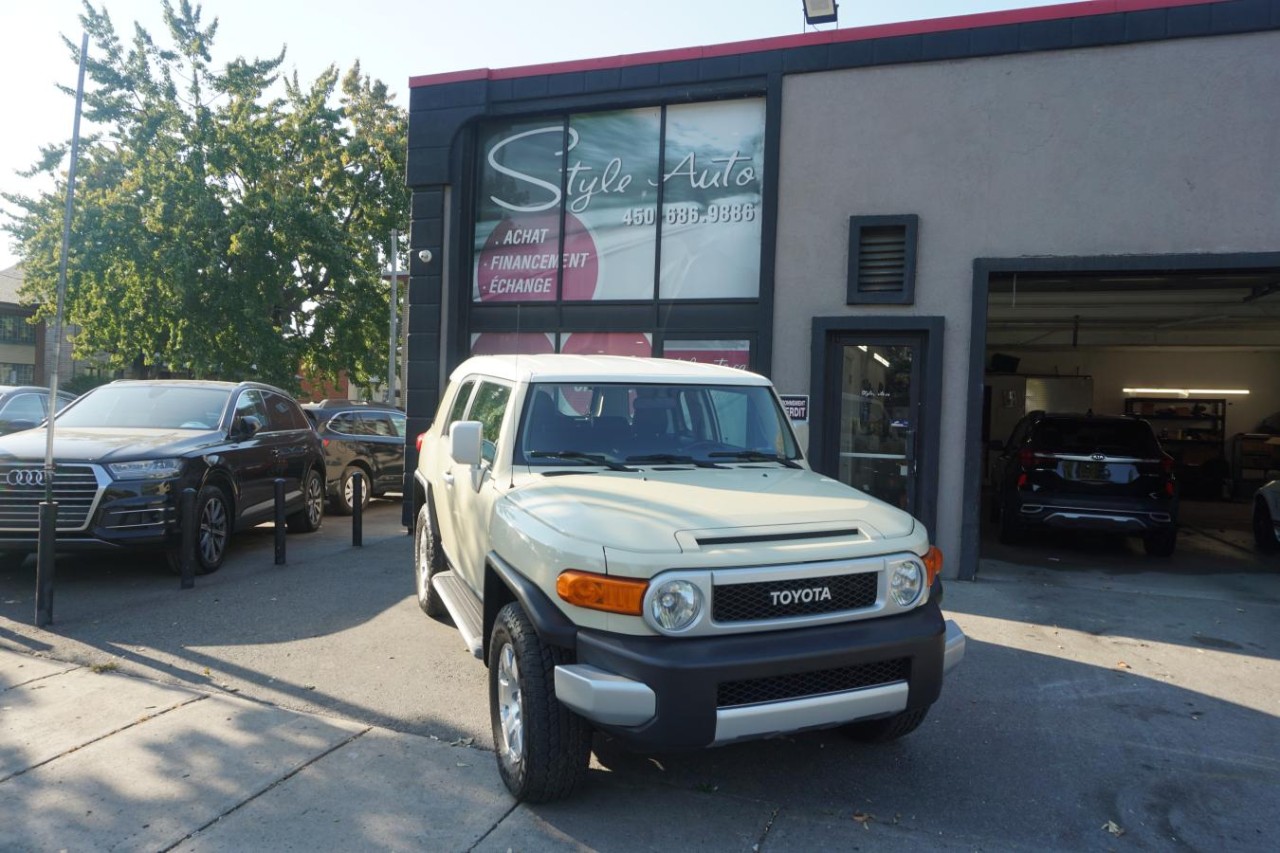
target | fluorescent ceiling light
[
  {"x": 878, "y": 357},
  {"x": 1186, "y": 392},
  {"x": 862, "y": 347}
]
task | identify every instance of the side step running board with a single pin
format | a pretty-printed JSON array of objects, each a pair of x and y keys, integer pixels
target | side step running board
[{"x": 464, "y": 608}]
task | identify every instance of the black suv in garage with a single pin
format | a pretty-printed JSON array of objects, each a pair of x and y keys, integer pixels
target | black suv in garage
[
  {"x": 1104, "y": 473},
  {"x": 124, "y": 452},
  {"x": 359, "y": 436}
]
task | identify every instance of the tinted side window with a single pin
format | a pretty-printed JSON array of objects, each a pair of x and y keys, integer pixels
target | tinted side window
[
  {"x": 284, "y": 414},
  {"x": 377, "y": 423},
  {"x": 490, "y": 408},
  {"x": 399, "y": 423},
  {"x": 460, "y": 402},
  {"x": 23, "y": 407},
  {"x": 344, "y": 423},
  {"x": 250, "y": 403}
]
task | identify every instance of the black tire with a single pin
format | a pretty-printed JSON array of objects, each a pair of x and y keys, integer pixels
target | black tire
[
  {"x": 1264, "y": 529},
  {"x": 887, "y": 729},
  {"x": 343, "y": 502},
  {"x": 543, "y": 748},
  {"x": 1160, "y": 544},
  {"x": 1011, "y": 532},
  {"x": 311, "y": 516},
  {"x": 427, "y": 561},
  {"x": 213, "y": 532}
]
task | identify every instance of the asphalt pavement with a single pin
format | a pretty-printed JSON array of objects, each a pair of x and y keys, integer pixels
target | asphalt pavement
[{"x": 1129, "y": 706}]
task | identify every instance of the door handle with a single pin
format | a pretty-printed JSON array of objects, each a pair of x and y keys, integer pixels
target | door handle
[{"x": 448, "y": 479}]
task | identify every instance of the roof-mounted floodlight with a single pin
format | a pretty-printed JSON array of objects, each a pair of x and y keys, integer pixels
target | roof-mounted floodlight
[{"x": 820, "y": 11}]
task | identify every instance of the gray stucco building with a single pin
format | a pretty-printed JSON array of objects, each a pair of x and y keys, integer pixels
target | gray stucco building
[{"x": 901, "y": 225}]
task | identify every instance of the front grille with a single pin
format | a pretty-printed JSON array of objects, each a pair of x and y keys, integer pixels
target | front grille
[
  {"x": 745, "y": 602},
  {"x": 801, "y": 684},
  {"x": 75, "y": 488}
]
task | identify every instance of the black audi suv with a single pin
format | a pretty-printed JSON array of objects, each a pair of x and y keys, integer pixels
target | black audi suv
[
  {"x": 1104, "y": 473},
  {"x": 123, "y": 454}
]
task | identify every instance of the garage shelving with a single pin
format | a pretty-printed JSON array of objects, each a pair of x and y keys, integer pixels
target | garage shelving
[{"x": 1193, "y": 432}]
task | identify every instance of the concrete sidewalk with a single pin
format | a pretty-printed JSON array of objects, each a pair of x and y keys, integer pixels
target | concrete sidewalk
[{"x": 1119, "y": 697}]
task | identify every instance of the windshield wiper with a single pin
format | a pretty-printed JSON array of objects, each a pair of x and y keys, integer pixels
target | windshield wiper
[
  {"x": 587, "y": 458},
  {"x": 672, "y": 459},
  {"x": 754, "y": 456}
]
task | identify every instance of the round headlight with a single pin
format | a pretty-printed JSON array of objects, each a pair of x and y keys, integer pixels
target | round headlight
[
  {"x": 906, "y": 580},
  {"x": 675, "y": 605}
]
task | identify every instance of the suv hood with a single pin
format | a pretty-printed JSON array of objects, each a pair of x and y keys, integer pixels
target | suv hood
[
  {"x": 674, "y": 511},
  {"x": 88, "y": 444}
]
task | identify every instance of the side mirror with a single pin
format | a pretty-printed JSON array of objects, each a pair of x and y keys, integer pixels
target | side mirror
[
  {"x": 464, "y": 442},
  {"x": 249, "y": 426}
]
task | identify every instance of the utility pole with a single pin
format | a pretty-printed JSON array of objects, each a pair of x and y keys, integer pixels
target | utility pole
[{"x": 390, "y": 394}]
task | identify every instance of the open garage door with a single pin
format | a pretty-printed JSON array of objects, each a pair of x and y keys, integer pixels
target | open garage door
[{"x": 1187, "y": 346}]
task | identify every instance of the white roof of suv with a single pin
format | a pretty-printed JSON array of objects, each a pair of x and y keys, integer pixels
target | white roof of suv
[{"x": 603, "y": 368}]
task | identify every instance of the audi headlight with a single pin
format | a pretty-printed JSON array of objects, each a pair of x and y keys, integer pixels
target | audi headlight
[
  {"x": 906, "y": 581},
  {"x": 147, "y": 469},
  {"x": 675, "y": 605}
]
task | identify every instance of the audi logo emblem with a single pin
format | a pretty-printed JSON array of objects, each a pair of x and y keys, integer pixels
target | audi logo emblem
[{"x": 25, "y": 477}]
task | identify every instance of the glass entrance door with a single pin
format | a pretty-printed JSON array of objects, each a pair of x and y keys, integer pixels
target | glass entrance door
[{"x": 879, "y": 405}]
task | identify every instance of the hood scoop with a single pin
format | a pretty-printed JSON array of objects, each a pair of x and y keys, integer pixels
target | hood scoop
[{"x": 779, "y": 536}]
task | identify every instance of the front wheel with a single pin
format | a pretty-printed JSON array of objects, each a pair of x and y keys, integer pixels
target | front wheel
[
  {"x": 1265, "y": 535},
  {"x": 426, "y": 563},
  {"x": 311, "y": 516},
  {"x": 543, "y": 748},
  {"x": 213, "y": 533},
  {"x": 887, "y": 729}
]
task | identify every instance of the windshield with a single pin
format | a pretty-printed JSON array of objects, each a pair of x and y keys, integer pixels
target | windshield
[
  {"x": 612, "y": 423},
  {"x": 148, "y": 406}
]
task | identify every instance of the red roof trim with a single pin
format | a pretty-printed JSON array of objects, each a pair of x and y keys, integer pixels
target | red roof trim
[{"x": 904, "y": 28}]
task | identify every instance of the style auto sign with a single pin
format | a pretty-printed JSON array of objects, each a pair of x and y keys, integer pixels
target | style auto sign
[{"x": 598, "y": 176}]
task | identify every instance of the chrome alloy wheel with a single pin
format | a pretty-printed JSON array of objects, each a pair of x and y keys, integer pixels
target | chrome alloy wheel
[
  {"x": 314, "y": 499},
  {"x": 509, "y": 707}
]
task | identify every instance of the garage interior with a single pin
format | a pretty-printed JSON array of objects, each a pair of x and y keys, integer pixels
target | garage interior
[{"x": 1178, "y": 347}]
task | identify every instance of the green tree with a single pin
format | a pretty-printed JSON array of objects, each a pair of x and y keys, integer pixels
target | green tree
[{"x": 228, "y": 223}]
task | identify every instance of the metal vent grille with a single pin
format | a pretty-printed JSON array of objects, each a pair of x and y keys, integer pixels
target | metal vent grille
[
  {"x": 75, "y": 488},
  {"x": 746, "y": 602},
  {"x": 801, "y": 684},
  {"x": 882, "y": 258}
]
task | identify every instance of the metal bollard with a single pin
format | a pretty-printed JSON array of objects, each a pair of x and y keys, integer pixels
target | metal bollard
[
  {"x": 280, "y": 522},
  {"x": 357, "y": 509},
  {"x": 48, "y": 538},
  {"x": 187, "y": 540}
]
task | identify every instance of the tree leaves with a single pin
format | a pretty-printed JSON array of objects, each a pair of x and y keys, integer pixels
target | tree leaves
[{"x": 227, "y": 223}]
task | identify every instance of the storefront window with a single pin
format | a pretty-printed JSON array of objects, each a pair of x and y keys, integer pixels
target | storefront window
[
  {"x": 729, "y": 353},
  {"x": 578, "y": 209}
]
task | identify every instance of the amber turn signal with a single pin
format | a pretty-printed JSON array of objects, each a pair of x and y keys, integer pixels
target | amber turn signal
[
  {"x": 600, "y": 592},
  {"x": 933, "y": 563}
]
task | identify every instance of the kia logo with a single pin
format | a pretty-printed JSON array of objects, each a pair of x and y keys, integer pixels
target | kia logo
[
  {"x": 25, "y": 477},
  {"x": 1098, "y": 457}
]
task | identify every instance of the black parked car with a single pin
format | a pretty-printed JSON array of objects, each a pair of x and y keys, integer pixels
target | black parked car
[
  {"x": 26, "y": 406},
  {"x": 1086, "y": 472},
  {"x": 364, "y": 437},
  {"x": 124, "y": 453}
]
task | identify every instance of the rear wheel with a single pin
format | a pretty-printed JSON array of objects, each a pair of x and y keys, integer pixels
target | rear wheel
[
  {"x": 1264, "y": 528},
  {"x": 1160, "y": 544},
  {"x": 543, "y": 748},
  {"x": 427, "y": 562},
  {"x": 311, "y": 516},
  {"x": 345, "y": 501},
  {"x": 1011, "y": 532},
  {"x": 887, "y": 728}
]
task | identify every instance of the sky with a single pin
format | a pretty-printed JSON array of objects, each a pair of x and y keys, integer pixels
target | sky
[{"x": 393, "y": 40}]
